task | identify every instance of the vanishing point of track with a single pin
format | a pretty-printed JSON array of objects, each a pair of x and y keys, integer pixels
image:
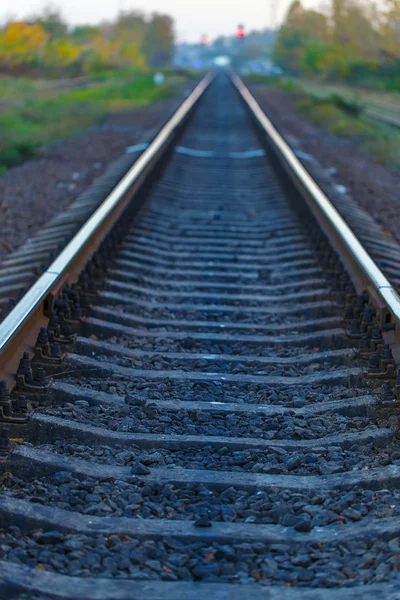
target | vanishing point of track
[{"x": 199, "y": 395}]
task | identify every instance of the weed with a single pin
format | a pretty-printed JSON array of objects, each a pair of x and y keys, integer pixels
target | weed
[
  {"x": 259, "y": 78},
  {"x": 287, "y": 85},
  {"x": 321, "y": 112},
  {"x": 353, "y": 108},
  {"x": 280, "y": 83},
  {"x": 30, "y": 123},
  {"x": 352, "y": 128},
  {"x": 345, "y": 118}
]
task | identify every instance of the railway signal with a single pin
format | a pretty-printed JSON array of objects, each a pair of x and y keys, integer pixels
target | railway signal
[
  {"x": 241, "y": 32},
  {"x": 204, "y": 40}
]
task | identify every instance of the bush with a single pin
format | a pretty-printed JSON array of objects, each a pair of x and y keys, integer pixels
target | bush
[
  {"x": 280, "y": 83},
  {"x": 330, "y": 110},
  {"x": 337, "y": 115},
  {"x": 351, "y": 128},
  {"x": 322, "y": 112},
  {"x": 350, "y": 107},
  {"x": 259, "y": 78},
  {"x": 37, "y": 121},
  {"x": 14, "y": 155},
  {"x": 286, "y": 85}
]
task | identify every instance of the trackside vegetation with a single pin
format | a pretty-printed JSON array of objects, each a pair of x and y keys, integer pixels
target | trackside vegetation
[
  {"x": 353, "y": 41},
  {"x": 340, "y": 115},
  {"x": 33, "y": 121},
  {"x": 56, "y": 80}
]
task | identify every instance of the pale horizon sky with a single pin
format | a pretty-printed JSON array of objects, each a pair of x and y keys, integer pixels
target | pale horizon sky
[{"x": 192, "y": 17}]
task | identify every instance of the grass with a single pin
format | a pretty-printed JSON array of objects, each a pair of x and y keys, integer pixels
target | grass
[
  {"x": 344, "y": 115},
  {"x": 379, "y": 141},
  {"x": 346, "y": 120},
  {"x": 281, "y": 83},
  {"x": 34, "y": 120},
  {"x": 129, "y": 73},
  {"x": 387, "y": 103},
  {"x": 11, "y": 88}
]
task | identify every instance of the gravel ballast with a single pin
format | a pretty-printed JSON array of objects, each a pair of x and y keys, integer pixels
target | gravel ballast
[
  {"x": 187, "y": 441},
  {"x": 120, "y": 556},
  {"x": 34, "y": 192},
  {"x": 322, "y": 460}
]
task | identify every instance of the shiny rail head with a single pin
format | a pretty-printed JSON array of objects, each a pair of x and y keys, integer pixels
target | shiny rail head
[
  {"x": 362, "y": 269},
  {"x": 84, "y": 243}
]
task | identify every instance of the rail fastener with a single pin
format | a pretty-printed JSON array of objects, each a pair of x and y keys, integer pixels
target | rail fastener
[
  {"x": 363, "y": 271},
  {"x": 19, "y": 330}
]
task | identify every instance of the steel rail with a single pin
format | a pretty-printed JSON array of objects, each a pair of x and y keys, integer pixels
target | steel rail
[
  {"x": 363, "y": 271},
  {"x": 18, "y": 332}
]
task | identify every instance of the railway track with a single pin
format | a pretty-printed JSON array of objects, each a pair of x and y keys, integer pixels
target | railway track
[{"x": 199, "y": 394}]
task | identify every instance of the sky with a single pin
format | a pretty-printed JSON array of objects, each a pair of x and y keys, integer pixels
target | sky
[{"x": 192, "y": 17}]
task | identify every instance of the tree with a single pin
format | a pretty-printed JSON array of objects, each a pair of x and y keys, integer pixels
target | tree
[
  {"x": 22, "y": 43},
  {"x": 339, "y": 33},
  {"x": 302, "y": 28},
  {"x": 45, "y": 42},
  {"x": 84, "y": 34},
  {"x": 159, "y": 40},
  {"x": 364, "y": 40},
  {"x": 127, "y": 37},
  {"x": 61, "y": 53},
  {"x": 391, "y": 29},
  {"x": 52, "y": 21},
  {"x": 311, "y": 42},
  {"x": 353, "y": 29}
]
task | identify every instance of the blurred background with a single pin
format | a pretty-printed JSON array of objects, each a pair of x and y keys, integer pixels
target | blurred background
[
  {"x": 64, "y": 66},
  {"x": 342, "y": 39}
]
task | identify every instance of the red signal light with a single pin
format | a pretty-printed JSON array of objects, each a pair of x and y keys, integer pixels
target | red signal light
[
  {"x": 204, "y": 40},
  {"x": 240, "y": 32}
]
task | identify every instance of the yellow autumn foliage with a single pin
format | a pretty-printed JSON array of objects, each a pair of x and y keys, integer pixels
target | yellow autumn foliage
[
  {"x": 22, "y": 42},
  {"x": 61, "y": 52},
  {"x": 47, "y": 44},
  {"x": 130, "y": 54}
]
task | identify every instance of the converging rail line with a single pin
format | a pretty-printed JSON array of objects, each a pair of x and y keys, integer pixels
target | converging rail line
[{"x": 199, "y": 395}]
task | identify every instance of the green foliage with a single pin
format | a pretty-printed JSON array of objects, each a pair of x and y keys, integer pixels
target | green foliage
[
  {"x": 302, "y": 29},
  {"x": 37, "y": 121},
  {"x": 44, "y": 45},
  {"x": 52, "y": 22},
  {"x": 321, "y": 112},
  {"x": 14, "y": 154},
  {"x": 287, "y": 85},
  {"x": 10, "y": 87},
  {"x": 85, "y": 33},
  {"x": 353, "y": 108},
  {"x": 357, "y": 42},
  {"x": 159, "y": 40},
  {"x": 351, "y": 128},
  {"x": 259, "y": 78},
  {"x": 336, "y": 115},
  {"x": 280, "y": 83},
  {"x": 110, "y": 75},
  {"x": 312, "y": 60},
  {"x": 330, "y": 109},
  {"x": 371, "y": 74},
  {"x": 183, "y": 73}
]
